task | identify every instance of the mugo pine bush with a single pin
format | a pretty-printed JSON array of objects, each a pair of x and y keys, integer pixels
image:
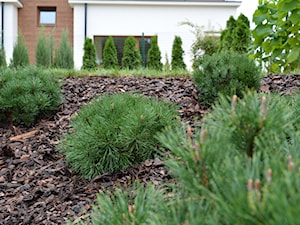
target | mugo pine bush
[
  {"x": 28, "y": 94},
  {"x": 217, "y": 181},
  {"x": 225, "y": 73},
  {"x": 114, "y": 132}
]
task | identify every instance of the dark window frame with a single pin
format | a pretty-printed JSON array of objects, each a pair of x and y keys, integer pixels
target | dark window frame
[{"x": 42, "y": 9}]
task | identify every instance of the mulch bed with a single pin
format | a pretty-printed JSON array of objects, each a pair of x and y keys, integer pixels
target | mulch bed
[{"x": 37, "y": 186}]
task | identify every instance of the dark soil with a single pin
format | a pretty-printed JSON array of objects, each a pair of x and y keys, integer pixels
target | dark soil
[{"x": 37, "y": 186}]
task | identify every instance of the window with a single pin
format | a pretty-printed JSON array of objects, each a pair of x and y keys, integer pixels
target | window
[{"x": 47, "y": 15}]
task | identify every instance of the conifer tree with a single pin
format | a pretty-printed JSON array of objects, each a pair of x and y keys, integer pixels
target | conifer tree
[
  {"x": 154, "y": 56},
  {"x": 42, "y": 51},
  {"x": 20, "y": 53},
  {"x": 110, "y": 59},
  {"x": 89, "y": 56},
  {"x": 2, "y": 58},
  {"x": 241, "y": 35},
  {"x": 177, "y": 54},
  {"x": 226, "y": 38},
  {"x": 131, "y": 55},
  {"x": 64, "y": 54}
]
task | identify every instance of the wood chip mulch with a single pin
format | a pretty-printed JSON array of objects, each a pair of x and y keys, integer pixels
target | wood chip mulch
[{"x": 36, "y": 184}]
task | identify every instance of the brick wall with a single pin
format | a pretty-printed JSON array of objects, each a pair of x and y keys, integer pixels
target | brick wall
[{"x": 28, "y": 22}]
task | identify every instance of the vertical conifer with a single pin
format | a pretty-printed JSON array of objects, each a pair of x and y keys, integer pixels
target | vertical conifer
[
  {"x": 64, "y": 54},
  {"x": 131, "y": 55},
  {"x": 42, "y": 51},
  {"x": 89, "y": 56},
  {"x": 110, "y": 59},
  {"x": 154, "y": 56},
  {"x": 20, "y": 53},
  {"x": 177, "y": 54}
]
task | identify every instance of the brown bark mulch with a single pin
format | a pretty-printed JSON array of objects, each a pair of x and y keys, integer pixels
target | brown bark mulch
[{"x": 36, "y": 184}]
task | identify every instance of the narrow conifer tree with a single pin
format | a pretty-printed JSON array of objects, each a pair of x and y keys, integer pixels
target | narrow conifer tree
[
  {"x": 89, "y": 56},
  {"x": 42, "y": 51},
  {"x": 154, "y": 56},
  {"x": 110, "y": 59},
  {"x": 20, "y": 53},
  {"x": 64, "y": 54},
  {"x": 241, "y": 35},
  {"x": 2, "y": 58},
  {"x": 226, "y": 38},
  {"x": 177, "y": 54},
  {"x": 131, "y": 55}
]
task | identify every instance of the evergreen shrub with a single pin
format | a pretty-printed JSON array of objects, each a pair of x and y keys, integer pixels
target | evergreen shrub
[
  {"x": 20, "y": 53},
  {"x": 131, "y": 55},
  {"x": 216, "y": 181},
  {"x": 28, "y": 94},
  {"x": 2, "y": 58},
  {"x": 225, "y": 73},
  {"x": 177, "y": 54},
  {"x": 43, "y": 51},
  {"x": 114, "y": 132},
  {"x": 154, "y": 56},
  {"x": 89, "y": 56},
  {"x": 64, "y": 54},
  {"x": 110, "y": 58}
]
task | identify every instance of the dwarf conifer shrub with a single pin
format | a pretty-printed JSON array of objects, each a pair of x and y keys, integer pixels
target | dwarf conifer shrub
[
  {"x": 131, "y": 55},
  {"x": 20, "y": 53},
  {"x": 2, "y": 58},
  {"x": 177, "y": 54},
  {"x": 114, "y": 132},
  {"x": 89, "y": 56},
  {"x": 154, "y": 56},
  {"x": 28, "y": 94},
  {"x": 225, "y": 73},
  {"x": 110, "y": 59}
]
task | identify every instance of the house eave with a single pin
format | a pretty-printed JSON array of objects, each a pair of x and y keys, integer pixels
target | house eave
[
  {"x": 16, "y": 3},
  {"x": 156, "y": 3}
]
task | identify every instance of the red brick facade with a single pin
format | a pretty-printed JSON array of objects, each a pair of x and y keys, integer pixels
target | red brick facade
[{"x": 28, "y": 22}]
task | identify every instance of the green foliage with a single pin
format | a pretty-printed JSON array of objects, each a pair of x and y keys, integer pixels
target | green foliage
[
  {"x": 89, "y": 56},
  {"x": 28, "y": 94},
  {"x": 131, "y": 55},
  {"x": 177, "y": 54},
  {"x": 2, "y": 58},
  {"x": 110, "y": 59},
  {"x": 20, "y": 53},
  {"x": 216, "y": 181},
  {"x": 43, "y": 51},
  {"x": 114, "y": 132},
  {"x": 154, "y": 56},
  {"x": 205, "y": 43},
  {"x": 276, "y": 35},
  {"x": 225, "y": 73},
  {"x": 64, "y": 54},
  {"x": 226, "y": 38}
]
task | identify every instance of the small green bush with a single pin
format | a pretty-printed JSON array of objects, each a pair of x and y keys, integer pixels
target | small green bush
[
  {"x": 20, "y": 53},
  {"x": 177, "y": 54},
  {"x": 131, "y": 55},
  {"x": 89, "y": 56},
  {"x": 154, "y": 56},
  {"x": 43, "y": 51},
  {"x": 2, "y": 58},
  {"x": 110, "y": 59},
  {"x": 64, "y": 54},
  {"x": 114, "y": 132},
  {"x": 225, "y": 73},
  {"x": 28, "y": 94}
]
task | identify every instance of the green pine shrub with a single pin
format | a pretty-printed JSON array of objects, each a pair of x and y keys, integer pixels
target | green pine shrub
[
  {"x": 177, "y": 54},
  {"x": 225, "y": 73},
  {"x": 28, "y": 94},
  {"x": 20, "y": 53},
  {"x": 2, "y": 58},
  {"x": 110, "y": 58},
  {"x": 114, "y": 132},
  {"x": 132, "y": 58},
  {"x": 43, "y": 51},
  {"x": 154, "y": 56},
  {"x": 64, "y": 54},
  {"x": 89, "y": 56}
]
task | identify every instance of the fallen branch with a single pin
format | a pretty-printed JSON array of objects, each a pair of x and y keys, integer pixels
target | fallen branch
[{"x": 24, "y": 136}]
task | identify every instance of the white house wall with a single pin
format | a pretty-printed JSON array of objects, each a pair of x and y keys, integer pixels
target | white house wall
[
  {"x": 10, "y": 33},
  {"x": 161, "y": 20}
]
